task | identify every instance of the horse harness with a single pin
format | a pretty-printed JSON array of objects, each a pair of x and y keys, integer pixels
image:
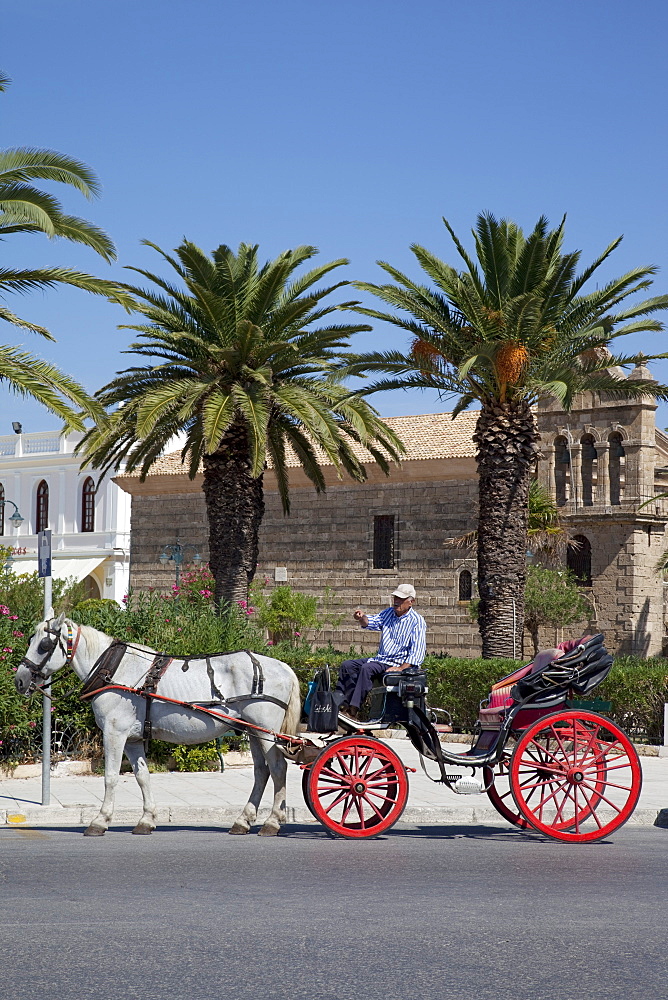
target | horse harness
[
  {"x": 47, "y": 647},
  {"x": 102, "y": 673}
]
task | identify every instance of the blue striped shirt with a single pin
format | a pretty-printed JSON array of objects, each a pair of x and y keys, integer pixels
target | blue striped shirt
[{"x": 403, "y": 637}]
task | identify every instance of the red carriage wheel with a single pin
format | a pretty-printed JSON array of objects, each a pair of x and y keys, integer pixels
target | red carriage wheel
[
  {"x": 497, "y": 784},
  {"x": 575, "y": 776},
  {"x": 305, "y": 791},
  {"x": 357, "y": 787}
]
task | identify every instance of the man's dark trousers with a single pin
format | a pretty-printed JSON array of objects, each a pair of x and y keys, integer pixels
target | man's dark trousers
[{"x": 356, "y": 679}]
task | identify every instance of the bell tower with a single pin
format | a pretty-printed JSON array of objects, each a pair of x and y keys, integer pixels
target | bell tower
[{"x": 602, "y": 462}]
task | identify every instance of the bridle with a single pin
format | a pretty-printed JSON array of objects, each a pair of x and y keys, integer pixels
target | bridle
[{"x": 52, "y": 640}]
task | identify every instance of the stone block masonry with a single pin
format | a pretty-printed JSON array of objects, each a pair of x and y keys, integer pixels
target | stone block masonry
[{"x": 327, "y": 542}]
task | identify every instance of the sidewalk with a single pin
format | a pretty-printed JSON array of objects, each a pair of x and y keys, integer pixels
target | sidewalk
[{"x": 205, "y": 798}]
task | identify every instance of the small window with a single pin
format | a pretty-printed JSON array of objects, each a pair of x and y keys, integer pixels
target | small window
[
  {"x": 42, "y": 511},
  {"x": 88, "y": 505},
  {"x": 2, "y": 509},
  {"x": 465, "y": 585},
  {"x": 579, "y": 561},
  {"x": 383, "y": 541}
]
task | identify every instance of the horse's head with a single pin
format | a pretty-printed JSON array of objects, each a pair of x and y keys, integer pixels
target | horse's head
[{"x": 47, "y": 651}]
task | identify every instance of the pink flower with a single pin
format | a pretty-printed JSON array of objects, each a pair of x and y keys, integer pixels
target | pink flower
[
  {"x": 125, "y": 599},
  {"x": 206, "y": 593},
  {"x": 32, "y": 724},
  {"x": 270, "y": 642},
  {"x": 175, "y": 588},
  {"x": 7, "y": 649},
  {"x": 18, "y": 635},
  {"x": 13, "y": 618},
  {"x": 166, "y": 619},
  {"x": 242, "y": 604},
  {"x": 298, "y": 633}
]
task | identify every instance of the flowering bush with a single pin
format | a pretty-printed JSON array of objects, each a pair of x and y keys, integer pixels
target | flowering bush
[{"x": 21, "y": 608}]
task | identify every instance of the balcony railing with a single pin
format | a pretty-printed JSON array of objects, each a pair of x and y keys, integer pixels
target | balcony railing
[{"x": 626, "y": 505}]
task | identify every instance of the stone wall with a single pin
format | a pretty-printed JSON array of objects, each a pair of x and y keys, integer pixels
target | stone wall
[
  {"x": 327, "y": 543},
  {"x": 158, "y": 521}
]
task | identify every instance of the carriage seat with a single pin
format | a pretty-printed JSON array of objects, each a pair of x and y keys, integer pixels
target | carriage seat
[
  {"x": 579, "y": 669},
  {"x": 576, "y": 664}
]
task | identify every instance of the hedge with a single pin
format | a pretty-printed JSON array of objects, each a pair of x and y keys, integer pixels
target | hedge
[{"x": 185, "y": 623}]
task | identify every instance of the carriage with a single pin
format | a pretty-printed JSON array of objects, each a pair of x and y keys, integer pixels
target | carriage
[{"x": 545, "y": 761}]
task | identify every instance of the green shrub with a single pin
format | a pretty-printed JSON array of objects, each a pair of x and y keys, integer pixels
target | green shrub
[
  {"x": 202, "y": 757},
  {"x": 287, "y": 613},
  {"x": 638, "y": 690}
]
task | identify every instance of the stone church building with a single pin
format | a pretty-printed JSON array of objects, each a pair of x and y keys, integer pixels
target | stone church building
[{"x": 601, "y": 461}]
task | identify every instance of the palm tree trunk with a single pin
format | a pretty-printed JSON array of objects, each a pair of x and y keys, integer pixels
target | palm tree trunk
[
  {"x": 235, "y": 508},
  {"x": 507, "y": 440}
]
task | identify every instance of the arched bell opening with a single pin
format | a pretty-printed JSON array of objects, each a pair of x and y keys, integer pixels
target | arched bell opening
[
  {"x": 589, "y": 460},
  {"x": 617, "y": 468},
  {"x": 562, "y": 471}
]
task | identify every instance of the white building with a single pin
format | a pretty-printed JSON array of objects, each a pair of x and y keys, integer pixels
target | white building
[{"x": 90, "y": 527}]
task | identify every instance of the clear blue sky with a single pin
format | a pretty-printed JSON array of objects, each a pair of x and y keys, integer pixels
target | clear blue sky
[{"x": 352, "y": 125}]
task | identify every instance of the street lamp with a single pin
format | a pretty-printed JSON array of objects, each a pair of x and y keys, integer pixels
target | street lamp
[
  {"x": 15, "y": 518},
  {"x": 178, "y": 554}
]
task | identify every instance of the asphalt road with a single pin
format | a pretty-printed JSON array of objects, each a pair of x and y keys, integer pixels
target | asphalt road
[{"x": 470, "y": 912}]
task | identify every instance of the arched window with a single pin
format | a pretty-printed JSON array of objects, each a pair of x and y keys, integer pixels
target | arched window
[
  {"x": 589, "y": 469},
  {"x": 2, "y": 509},
  {"x": 465, "y": 585},
  {"x": 42, "y": 507},
  {"x": 88, "y": 505},
  {"x": 562, "y": 474},
  {"x": 617, "y": 468},
  {"x": 579, "y": 560}
]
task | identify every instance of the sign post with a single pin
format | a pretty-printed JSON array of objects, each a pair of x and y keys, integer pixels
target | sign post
[{"x": 44, "y": 571}]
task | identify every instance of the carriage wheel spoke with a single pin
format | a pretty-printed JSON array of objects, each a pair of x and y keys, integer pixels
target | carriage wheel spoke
[
  {"x": 343, "y": 794},
  {"x": 609, "y": 802}
]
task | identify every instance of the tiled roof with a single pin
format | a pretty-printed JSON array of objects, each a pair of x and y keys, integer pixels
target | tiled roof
[{"x": 427, "y": 436}]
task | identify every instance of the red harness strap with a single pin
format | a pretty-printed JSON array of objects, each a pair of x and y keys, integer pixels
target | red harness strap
[{"x": 236, "y": 722}]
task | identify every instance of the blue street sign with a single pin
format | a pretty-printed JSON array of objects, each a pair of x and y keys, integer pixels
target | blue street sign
[{"x": 44, "y": 553}]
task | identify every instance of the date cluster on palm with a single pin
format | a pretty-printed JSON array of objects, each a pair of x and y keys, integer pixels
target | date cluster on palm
[{"x": 510, "y": 362}]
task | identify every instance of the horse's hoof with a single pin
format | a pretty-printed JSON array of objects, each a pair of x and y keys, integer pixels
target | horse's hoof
[
  {"x": 94, "y": 831},
  {"x": 239, "y": 828},
  {"x": 143, "y": 829},
  {"x": 268, "y": 831}
]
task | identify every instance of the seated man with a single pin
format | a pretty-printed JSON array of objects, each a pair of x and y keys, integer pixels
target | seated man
[{"x": 402, "y": 644}]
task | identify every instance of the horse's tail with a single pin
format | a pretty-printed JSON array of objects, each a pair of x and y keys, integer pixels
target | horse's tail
[{"x": 294, "y": 709}]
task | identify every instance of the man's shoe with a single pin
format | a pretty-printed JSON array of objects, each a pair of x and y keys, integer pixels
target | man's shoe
[{"x": 350, "y": 712}]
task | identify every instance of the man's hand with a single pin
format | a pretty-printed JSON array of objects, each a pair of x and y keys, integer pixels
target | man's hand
[
  {"x": 361, "y": 618},
  {"x": 397, "y": 669}
]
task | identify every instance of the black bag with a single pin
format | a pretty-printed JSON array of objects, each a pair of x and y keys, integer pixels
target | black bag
[{"x": 323, "y": 712}]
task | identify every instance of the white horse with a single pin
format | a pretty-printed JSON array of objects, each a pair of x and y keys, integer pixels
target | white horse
[{"x": 256, "y": 689}]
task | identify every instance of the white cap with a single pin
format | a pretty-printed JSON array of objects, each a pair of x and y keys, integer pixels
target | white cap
[{"x": 404, "y": 590}]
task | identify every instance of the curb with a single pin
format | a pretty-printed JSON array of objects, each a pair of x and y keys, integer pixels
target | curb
[{"x": 79, "y": 815}]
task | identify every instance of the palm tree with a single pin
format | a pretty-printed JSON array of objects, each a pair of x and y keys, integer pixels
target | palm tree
[
  {"x": 24, "y": 208},
  {"x": 247, "y": 375},
  {"x": 509, "y": 328}
]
